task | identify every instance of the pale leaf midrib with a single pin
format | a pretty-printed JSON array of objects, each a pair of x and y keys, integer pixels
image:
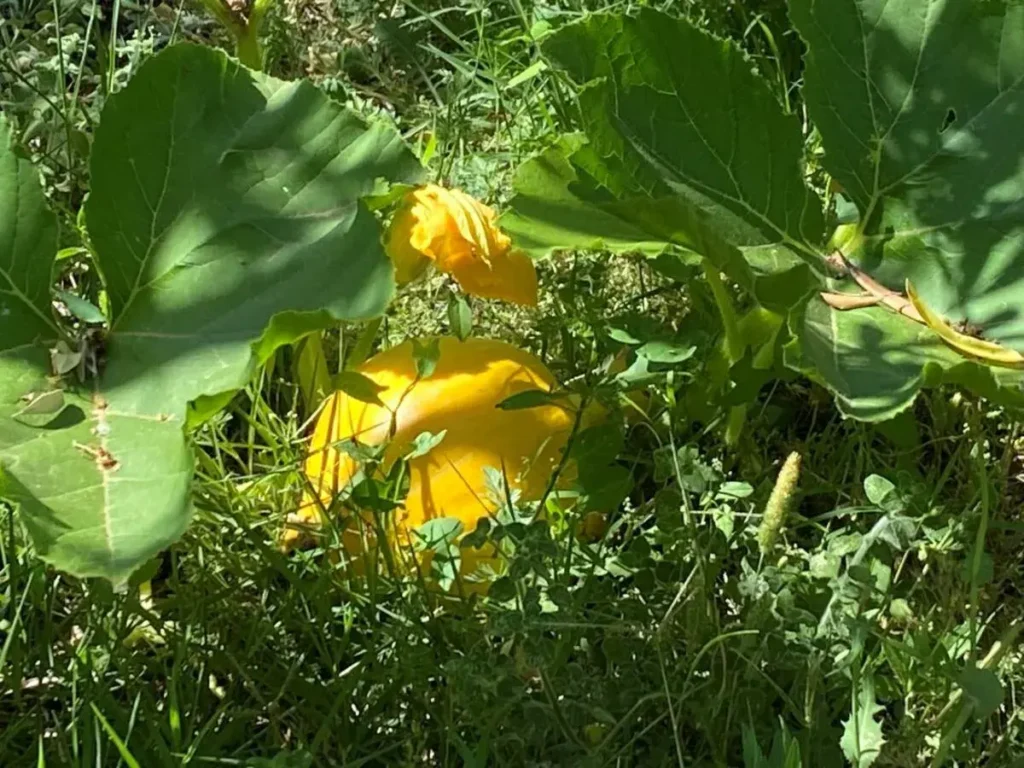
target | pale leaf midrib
[{"x": 723, "y": 198}]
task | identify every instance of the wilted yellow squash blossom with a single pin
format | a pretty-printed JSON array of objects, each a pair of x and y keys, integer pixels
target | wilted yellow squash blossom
[
  {"x": 460, "y": 235},
  {"x": 459, "y": 398}
]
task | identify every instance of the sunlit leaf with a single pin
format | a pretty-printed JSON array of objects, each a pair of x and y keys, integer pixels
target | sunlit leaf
[
  {"x": 917, "y": 105},
  {"x": 81, "y": 308},
  {"x": 355, "y": 384},
  {"x": 460, "y": 316},
  {"x": 530, "y": 398},
  {"x": 424, "y": 443},
  {"x": 918, "y": 108},
  {"x": 676, "y": 124},
  {"x": 862, "y": 737},
  {"x": 666, "y": 352},
  {"x": 225, "y": 217},
  {"x": 876, "y": 361},
  {"x": 426, "y": 354}
]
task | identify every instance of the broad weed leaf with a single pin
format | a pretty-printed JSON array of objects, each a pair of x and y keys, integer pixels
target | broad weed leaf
[{"x": 862, "y": 738}]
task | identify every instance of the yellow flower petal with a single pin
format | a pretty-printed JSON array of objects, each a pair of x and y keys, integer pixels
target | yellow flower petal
[
  {"x": 978, "y": 349},
  {"x": 409, "y": 260},
  {"x": 461, "y": 236},
  {"x": 477, "y": 223},
  {"x": 510, "y": 276}
]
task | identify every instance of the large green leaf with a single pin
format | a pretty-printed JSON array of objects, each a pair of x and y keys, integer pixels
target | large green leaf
[
  {"x": 558, "y": 206},
  {"x": 226, "y": 218},
  {"x": 99, "y": 490},
  {"x": 919, "y": 106},
  {"x": 686, "y": 145},
  {"x": 917, "y": 103},
  {"x": 28, "y": 241},
  {"x": 239, "y": 200},
  {"x": 875, "y": 361}
]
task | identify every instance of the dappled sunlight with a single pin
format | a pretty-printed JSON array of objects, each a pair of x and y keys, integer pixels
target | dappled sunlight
[
  {"x": 947, "y": 172},
  {"x": 280, "y": 483}
]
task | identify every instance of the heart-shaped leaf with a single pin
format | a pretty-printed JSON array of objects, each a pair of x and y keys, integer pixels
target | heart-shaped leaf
[
  {"x": 918, "y": 107},
  {"x": 676, "y": 127},
  {"x": 917, "y": 104},
  {"x": 222, "y": 201},
  {"x": 221, "y": 198}
]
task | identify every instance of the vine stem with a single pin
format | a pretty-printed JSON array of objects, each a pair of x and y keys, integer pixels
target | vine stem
[
  {"x": 246, "y": 31},
  {"x": 734, "y": 346},
  {"x": 733, "y": 340},
  {"x": 361, "y": 349}
]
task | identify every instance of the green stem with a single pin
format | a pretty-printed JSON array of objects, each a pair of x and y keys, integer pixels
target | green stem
[
  {"x": 364, "y": 343},
  {"x": 977, "y": 553},
  {"x": 112, "y": 52},
  {"x": 734, "y": 345},
  {"x": 258, "y": 14},
  {"x": 245, "y": 31},
  {"x": 248, "y": 50},
  {"x": 65, "y": 113},
  {"x": 230, "y": 20}
]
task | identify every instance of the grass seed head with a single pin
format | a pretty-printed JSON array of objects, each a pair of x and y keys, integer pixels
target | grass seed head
[{"x": 778, "y": 503}]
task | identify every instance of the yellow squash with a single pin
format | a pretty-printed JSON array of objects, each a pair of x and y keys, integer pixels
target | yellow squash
[{"x": 460, "y": 398}]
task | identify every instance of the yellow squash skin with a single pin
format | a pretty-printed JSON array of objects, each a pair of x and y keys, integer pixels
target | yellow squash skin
[{"x": 461, "y": 398}]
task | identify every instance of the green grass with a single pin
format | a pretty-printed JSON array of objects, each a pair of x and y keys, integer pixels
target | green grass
[{"x": 889, "y": 608}]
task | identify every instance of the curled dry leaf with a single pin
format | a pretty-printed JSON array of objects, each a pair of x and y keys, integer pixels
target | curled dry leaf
[{"x": 969, "y": 346}]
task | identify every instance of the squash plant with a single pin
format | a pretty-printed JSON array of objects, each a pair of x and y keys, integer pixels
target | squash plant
[
  {"x": 917, "y": 106},
  {"x": 225, "y": 218}
]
